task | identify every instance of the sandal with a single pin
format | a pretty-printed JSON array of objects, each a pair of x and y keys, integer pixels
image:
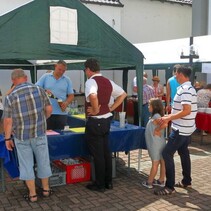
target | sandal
[
  {"x": 29, "y": 198},
  {"x": 181, "y": 185},
  {"x": 164, "y": 191},
  {"x": 47, "y": 193},
  {"x": 158, "y": 183},
  {"x": 147, "y": 184}
]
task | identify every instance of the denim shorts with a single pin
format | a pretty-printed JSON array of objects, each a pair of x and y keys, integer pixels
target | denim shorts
[{"x": 28, "y": 150}]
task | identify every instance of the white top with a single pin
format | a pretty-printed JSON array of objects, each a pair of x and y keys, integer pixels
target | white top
[
  {"x": 186, "y": 94},
  {"x": 134, "y": 85},
  {"x": 91, "y": 87}
]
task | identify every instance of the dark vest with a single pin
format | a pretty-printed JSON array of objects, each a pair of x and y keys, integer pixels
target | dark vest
[{"x": 103, "y": 93}]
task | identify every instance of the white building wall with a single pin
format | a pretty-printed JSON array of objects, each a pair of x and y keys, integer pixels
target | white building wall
[
  {"x": 109, "y": 14},
  {"x": 138, "y": 21},
  {"x": 148, "y": 21},
  {"x": 8, "y": 5}
]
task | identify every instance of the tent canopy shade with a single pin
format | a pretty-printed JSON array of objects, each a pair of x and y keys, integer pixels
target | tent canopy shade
[{"x": 26, "y": 34}]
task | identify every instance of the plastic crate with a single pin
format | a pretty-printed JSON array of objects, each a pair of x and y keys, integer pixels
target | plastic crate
[
  {"x": 58, "y": 177},
  {"x": 76, "y": 172}
]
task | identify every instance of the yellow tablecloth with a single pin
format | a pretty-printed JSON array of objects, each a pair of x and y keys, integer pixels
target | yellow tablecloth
[
  {"x": 80, "y": 116},
  {"x": 78, "y": 129}
]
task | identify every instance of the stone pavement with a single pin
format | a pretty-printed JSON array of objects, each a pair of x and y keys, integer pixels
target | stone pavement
[{"x": 127, "y": 194}]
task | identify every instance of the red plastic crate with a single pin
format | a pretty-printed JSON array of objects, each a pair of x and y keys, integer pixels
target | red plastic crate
[{"x": 76, "y": 172}]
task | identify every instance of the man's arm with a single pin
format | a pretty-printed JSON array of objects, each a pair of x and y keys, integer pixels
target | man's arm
[
  {"x": 135, "y": 89},
  {"x": 118, "y": 101},
  {"x": 48, "y": 111},
  {"x": 184, "y": 112},
  {"x": 8, "y": 131}
]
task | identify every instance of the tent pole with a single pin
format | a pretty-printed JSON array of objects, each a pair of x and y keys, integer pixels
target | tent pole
[
  {"x": 34, "y": 80},
  {"x": 125, "y": 82},
  {"x": 139, "y": 75}
]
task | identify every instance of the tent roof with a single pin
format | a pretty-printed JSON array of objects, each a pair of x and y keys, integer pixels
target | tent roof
[{"x": 25, "y": 35}]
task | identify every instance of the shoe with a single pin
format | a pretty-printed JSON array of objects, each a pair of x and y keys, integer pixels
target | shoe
[
  {"x": 47, "y": 193},
  {"x": 29, "y": 198},
  {"x": 147, "y": 185},
  {"x": 158, "y": 183},
  {"x": 109, "y": 186},
  {"x": 95, "y": 187},
  {"x": 181, "y": 185},
  {"x": 164, "y": 191},
  {"x": 204, "y": 133}
]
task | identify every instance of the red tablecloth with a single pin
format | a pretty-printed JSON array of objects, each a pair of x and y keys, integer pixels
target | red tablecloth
[{"x": 203, "y": 121}]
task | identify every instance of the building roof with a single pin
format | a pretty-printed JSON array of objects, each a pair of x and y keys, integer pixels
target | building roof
[
  {"x": 104, "y": 2},
  {"x": 181, "y": 1}
]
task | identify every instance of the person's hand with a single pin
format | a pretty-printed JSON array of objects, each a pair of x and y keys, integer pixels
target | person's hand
[
  {"x": 163, "y": 121},
  {"x": 64, "y": 106},
  {"x": 92, "y": 112},
  {"x": 157, "y": 132},
  {"x": 9, "y": 145},
  {"x": 48, "y": 92}
]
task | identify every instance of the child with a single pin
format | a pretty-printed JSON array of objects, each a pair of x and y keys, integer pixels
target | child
[{"x": 154, "y": 136}]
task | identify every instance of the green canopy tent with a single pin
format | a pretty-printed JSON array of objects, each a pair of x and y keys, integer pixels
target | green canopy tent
[{"x": 28, "y": 34}]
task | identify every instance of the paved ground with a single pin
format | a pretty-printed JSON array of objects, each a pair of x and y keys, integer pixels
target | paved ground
[{"x": 127, "y": 194}]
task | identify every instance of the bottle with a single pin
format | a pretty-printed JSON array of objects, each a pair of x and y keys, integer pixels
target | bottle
[{"x": 51, "y": 95}]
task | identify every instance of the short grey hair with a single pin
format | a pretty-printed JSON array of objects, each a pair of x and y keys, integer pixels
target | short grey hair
[
  {"x": 144, "y": 80},
  {"x": 18, "y": 73}
]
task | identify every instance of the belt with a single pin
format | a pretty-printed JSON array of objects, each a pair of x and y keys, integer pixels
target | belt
[{"x": 145, "y": 104}]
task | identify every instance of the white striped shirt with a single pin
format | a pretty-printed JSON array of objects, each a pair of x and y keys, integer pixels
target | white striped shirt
[{"x": 186, "y": 94}]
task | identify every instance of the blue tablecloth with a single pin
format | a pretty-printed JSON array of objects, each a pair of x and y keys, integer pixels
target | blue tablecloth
[
  {"x": 70, "y": 144},
  {"x": 10, "y": 161}
]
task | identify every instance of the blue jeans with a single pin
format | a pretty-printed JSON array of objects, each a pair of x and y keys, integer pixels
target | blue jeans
[
  {"x": 145, "y": 115},
  {"x": 27, "y": 150},
  {"x": 178, "y": 143}
]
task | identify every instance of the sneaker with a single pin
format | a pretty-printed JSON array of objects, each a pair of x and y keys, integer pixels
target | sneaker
[
  {"x": 204, "y": 133},
  {"x": 158, "y": 183},
  {"x": 147, "y": 185}
]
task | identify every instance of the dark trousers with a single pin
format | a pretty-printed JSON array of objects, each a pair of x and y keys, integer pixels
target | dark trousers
[
  {"x": 96, "y": 136},
  {"x": 178, "y": 143},
  {"x": 1, "y": 112},
  {"x": 56, "y": 122}
]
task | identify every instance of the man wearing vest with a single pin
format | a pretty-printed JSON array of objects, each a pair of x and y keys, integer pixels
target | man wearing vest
[
  {"x": 98, "y": 91},
  {"x": 182, "y": 115}
]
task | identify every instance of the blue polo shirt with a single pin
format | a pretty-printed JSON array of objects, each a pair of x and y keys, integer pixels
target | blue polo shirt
[{"x": 59, "y": 87}]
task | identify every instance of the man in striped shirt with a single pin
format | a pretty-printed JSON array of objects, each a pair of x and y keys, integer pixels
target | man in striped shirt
[{"x": 183, "y": 115}]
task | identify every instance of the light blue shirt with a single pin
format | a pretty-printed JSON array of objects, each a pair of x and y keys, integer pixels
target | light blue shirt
[
  {"x": 59, "y": 87},
  {"x": 173, "y": 85}
]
